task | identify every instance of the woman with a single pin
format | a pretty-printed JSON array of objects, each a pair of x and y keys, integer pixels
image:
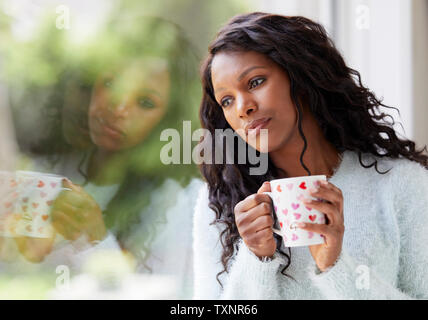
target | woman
[
  {"x": 119, "y": 93},
  {"x": 284, "y": 74}
]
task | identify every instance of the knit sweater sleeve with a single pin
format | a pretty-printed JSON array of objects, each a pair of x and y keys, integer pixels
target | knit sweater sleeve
[
  {"x": 248, "y": 277},
  {"x": 410, "y": 202}
]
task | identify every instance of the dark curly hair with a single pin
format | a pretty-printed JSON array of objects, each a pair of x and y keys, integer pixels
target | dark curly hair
[{"x": 344, "y": 109}]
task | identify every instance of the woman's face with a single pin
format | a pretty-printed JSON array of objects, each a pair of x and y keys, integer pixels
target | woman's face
[
  {"x": 128, "y": 103},
  {"x": 254, "y": 93}
]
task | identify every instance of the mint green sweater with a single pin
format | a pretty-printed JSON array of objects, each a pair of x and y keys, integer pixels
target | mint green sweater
[{"x": 385, "y": 244}]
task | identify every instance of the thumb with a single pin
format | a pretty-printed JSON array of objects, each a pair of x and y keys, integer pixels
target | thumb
[
  {"x": 69, "y": 185},
  {"x": 264, "y": 188}
]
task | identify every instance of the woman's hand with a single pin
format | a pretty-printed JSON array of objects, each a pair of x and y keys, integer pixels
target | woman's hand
[
  {"x": 253, "y": 217},
  {"x": 326, "y": 254},
  {"x": 34, "y": 249},
  {"x": 75, "y": 213}
]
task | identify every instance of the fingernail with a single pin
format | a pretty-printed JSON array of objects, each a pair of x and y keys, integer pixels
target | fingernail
[
  {"x": 301, "y": 224},
  {"x": 313, "y": 190},
  {"x": 324, "y": 182}
]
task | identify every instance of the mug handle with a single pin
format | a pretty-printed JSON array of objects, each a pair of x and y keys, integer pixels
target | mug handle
[{"x": 278, "y": 232}]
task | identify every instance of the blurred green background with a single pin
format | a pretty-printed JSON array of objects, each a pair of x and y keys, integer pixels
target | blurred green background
[{"x": 52, "y": 53}]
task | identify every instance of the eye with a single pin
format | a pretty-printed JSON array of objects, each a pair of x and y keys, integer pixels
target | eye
[
  {"x": 226, "y": 102},
  {"x": 146, "y": 103},
  {"x": 108, "y": 82},
  {"x": 256, "y": 82}
]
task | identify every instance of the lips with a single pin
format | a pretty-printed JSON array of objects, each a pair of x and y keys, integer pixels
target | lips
[
  {"x": 106, "y": 127},
  {"x": 257, "y": 124}
]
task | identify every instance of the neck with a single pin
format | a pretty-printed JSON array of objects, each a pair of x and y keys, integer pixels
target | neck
[
  {"x": 106, "y": 167},
  {"x": 320, "y": 156}
]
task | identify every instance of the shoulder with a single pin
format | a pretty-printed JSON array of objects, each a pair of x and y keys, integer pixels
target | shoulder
[
  {"x": 406, "y": 175},
  {"x": 408, "y": 185},
  {"x": 400, "y": 173}
]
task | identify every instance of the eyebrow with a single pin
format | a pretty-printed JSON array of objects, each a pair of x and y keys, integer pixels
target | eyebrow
[
  {"x": 243, "y": 74},
  {"x": 153, "y": 91}
]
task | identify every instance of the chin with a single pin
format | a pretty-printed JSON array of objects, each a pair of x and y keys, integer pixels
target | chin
[
  {"x": 264, "y": 144},
  {"x": 106, "y": 143}
]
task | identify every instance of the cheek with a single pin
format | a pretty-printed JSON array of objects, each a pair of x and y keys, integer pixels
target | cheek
[
  {"x": 232, "y": 119},
  {"x": 140, "y": 124}
]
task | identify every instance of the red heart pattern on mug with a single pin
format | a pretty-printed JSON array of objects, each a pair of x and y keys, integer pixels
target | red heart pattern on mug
[{"x": 293, "y": 235}]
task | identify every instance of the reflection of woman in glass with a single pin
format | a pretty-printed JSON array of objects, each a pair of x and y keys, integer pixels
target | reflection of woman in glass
[
  {"x": 134, "y": 81},
  {"x": 284, "y": 74}
]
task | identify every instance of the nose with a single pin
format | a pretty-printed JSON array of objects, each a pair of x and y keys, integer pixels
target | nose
[
  {"x": 246, "y": 107},
  {"x": 121, "y": 109}
]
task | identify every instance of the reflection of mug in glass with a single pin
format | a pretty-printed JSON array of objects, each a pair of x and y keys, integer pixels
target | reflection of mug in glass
[
  {"x": 27, "y": 199},
  {"x": 287, "y": 196}
]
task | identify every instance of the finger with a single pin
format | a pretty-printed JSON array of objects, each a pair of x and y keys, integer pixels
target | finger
[
  {"x": 63, "y": 223},
  {"x": 325, "y": 193},
  {"x": 339, "y": 194},
  {"x": 262, "y": 223},
  {"x": 77, "y": 214},
  {"x": 78, "y": 199},
  {"x": 66, "y": 207},
  {"x": 330, "y": 210},
  {"x": 245, "y": 221},
  {"x": 259, "y": 239},
  {"x": 252, "y": 201},
  {"x": 322, "y": 229},
  {"x": 66, "y": 183},
  {"x": 264, "y": 188}
]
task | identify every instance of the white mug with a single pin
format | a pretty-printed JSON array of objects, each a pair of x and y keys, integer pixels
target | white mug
[
  {"x": 26, "y": 202},
  {"x": 287, "y": 195}
]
